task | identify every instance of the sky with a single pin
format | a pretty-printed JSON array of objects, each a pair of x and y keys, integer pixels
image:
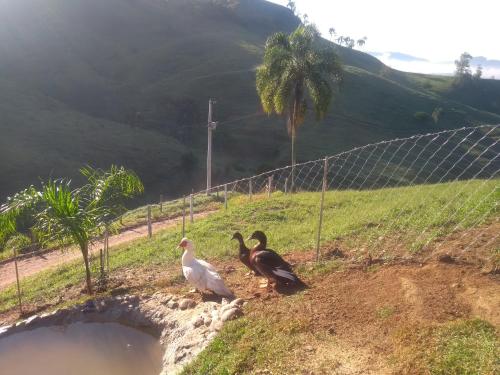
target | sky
[{"x": 435, "y": 30}]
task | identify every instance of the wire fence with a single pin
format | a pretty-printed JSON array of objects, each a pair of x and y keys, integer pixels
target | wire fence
[
  {"x": 433, "y": 163},
  {"x": 453, "y": 175}
]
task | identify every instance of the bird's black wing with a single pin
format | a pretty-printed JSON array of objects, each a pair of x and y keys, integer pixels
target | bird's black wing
[{"x": 270, "y": 264}]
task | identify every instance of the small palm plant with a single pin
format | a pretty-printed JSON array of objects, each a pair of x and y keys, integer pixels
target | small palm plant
[
  {"x": 17, "y": 215},
  {"x": 295, "y": 68},
  {"x": 78, "y": 215}
]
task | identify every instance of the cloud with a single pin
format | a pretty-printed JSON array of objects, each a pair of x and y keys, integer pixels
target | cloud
[{"x": 408, "y": 63}]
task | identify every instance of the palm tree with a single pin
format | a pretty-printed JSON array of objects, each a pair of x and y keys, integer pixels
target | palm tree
[
  {"x": 296, "y": 66},
  {"x": 331, "y": 31},
  {"x": 361, "y": 42},
  {"x": 78, "y": 215}
]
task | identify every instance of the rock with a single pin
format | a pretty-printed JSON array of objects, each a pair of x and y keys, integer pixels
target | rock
[
  {"x": 216, "y": 326},
  {"x": 198, "y": 321},
  {"x": 211, "y": 336},
  {"x": 226, "y": 308},
  {"x": 309, "y": 348},
  {"x": 207, "y": 320},
  {"x": 172, "y": 304},
  {"x": 187, "y": 303},
  {"x": 179, "y": 356},
  {"x": 231, "y": 314},
  {"x": 32, "y": 319},
  {"x": 237, "y": 302},
  {"x": 89, "y": 306},
  {"x": 215, "y": 315},
  {"x": 490, "y": 269},
  {"x": 446, "y": 258},
  {"x": 165, "y": 299},
  {"x": 4, "y": 329}
]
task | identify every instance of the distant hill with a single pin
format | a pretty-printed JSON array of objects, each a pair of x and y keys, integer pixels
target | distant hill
[{"x": 128, "y": 81}]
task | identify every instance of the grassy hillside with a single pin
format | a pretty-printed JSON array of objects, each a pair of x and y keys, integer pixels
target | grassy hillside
[{"x": 128, "y": 82}]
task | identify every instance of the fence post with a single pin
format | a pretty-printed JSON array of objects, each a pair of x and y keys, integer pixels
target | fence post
[
  {"x": 101, "y": 261},
  {"x": 269, "y": 186},
  {"x": 286, "y": 185},
  {"x": 183, "y": 216},
  {"x": 106, "y": 247},
  {"x": 225, "y": 196},
  {"x": 191, "y": 218},
  {"x": 18, "y": 283},
  {"x": 325, "y": 175},
  {"x": 250, "y": 188},
  {"x": 150, "y": 229},
  {"x": 161, "y": 203}
]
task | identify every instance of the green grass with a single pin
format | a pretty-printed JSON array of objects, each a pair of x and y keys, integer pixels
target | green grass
[
  {"x": 358, "y": 218},
  {"x": 247, "y": 344},
  {"x": 384, "y": 312},
  {"x": 170, "y": 209},
  {"x": 464, "y": 347}
]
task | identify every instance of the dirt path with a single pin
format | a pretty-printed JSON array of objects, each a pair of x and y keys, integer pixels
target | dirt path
[{"x": 35, "y": 264}]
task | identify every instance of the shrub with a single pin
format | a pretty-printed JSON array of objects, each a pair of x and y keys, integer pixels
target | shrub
[{"x": 421, "y": 116}]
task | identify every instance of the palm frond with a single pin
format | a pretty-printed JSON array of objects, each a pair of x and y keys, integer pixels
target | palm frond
[{"x": 110, "y": 188}]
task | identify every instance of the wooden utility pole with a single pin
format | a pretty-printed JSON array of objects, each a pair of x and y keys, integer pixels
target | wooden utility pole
[{"x": 211, "y": 127}]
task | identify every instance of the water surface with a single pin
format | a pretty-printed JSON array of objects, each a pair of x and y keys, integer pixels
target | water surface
[{"x": 81, "y": 349}]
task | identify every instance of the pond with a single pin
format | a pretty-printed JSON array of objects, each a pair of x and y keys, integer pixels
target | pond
[{"x": 81, "y": 349}]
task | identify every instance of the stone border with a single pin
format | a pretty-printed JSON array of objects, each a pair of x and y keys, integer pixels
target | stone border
[{"x": 183, "y": 327}]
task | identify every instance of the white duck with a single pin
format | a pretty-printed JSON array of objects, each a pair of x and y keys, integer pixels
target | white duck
[{"x": 200, "y": 274}]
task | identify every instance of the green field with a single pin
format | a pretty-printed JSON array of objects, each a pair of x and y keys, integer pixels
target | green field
[{"x": 357, "y": 218}]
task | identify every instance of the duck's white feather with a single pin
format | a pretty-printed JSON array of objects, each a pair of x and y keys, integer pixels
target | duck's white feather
[
  {"x": 206, "y": 264},
  {"x": 202, "y": 275}
]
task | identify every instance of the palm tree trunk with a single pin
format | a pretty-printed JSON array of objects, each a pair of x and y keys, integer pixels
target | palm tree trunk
[
  {"x": 293, "y": 123},
  {"x": 85, "y": 252},
  {"x": 292, "y": 186}
]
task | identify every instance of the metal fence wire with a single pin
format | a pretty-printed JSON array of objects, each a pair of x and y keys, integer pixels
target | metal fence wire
[
  {"x": 465, "y": 154},
  {"x": 450, "y": 155}
]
